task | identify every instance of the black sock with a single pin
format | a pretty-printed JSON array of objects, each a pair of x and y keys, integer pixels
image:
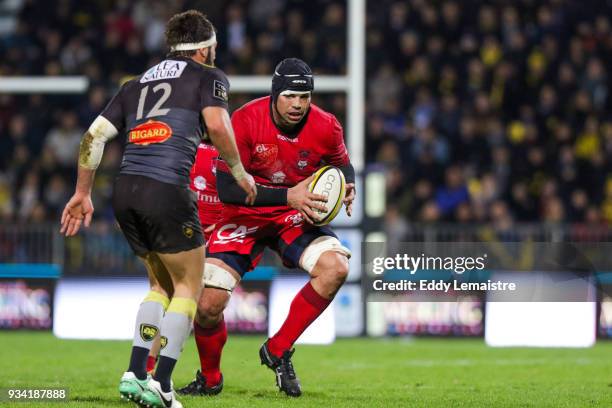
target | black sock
[
  {"x": 163, "y": 372},
  {"x": 138, "y": 362}
]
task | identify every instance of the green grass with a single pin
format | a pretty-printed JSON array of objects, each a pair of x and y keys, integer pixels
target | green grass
[{"x": 349, "y": 373}]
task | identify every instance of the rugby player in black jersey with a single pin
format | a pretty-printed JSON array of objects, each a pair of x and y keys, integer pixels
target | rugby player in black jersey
[{"x": 165, "y": 112}]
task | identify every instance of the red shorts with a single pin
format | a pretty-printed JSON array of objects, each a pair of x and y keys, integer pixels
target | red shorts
[
  {"x": 242, "y": 234},
  {"x": 208, "y": 217}
]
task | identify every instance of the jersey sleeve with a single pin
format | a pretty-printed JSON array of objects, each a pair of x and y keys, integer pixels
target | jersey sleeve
[
  {"x": 214, "y": 89},
  {"x": 337, "y": 154},
  {"x": 114, "y": 110}
]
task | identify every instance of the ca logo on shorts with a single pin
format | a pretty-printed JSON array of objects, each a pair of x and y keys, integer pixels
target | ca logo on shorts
[
  {"x": 187, "y": 231},
  {"x": 163, "y": 341},
  {"x": 233, "y": 233},
  {"x": 148, "y": 332}
]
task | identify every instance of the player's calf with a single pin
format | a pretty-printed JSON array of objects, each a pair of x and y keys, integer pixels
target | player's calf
[{"x": 210, "y": 332}]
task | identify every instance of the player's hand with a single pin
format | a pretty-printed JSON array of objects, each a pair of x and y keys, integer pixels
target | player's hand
[
  {"x": 305, "y": 202},
  {"x": 349, "y": 197},
  {"x": 247, "y": 183},
  {"x": 79, "y": 210}
]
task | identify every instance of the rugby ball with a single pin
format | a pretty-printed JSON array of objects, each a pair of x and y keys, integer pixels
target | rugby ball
[{"x": 329, "y": 182}]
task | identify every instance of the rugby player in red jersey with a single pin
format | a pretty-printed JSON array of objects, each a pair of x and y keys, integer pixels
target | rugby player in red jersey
[
  {"x": 203, "y": 182},
  {"x": 282, "y": 139}
]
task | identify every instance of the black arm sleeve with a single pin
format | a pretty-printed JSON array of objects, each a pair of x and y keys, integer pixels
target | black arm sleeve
[
  {"x": 231, "y": 193},
  {"x": 349, "y": 172}
]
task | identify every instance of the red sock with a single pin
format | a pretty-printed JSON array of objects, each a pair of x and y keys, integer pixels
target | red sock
[
  {"x": 151, "y": 363},
  {"x": 210, "y": 344},
  {"x": 305, "y": 308}
]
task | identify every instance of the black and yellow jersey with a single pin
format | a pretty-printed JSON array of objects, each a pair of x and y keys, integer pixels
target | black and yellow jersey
[{"x": 160, "y": 111}]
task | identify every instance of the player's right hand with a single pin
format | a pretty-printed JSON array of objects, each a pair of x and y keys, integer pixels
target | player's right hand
[
  {"x": 247, "y": 183},
  {"x": 300, "y": 198},
  {"x": 78, "y": 209}
]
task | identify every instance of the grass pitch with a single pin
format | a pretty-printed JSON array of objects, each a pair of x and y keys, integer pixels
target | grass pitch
[{"x": 349, "y": 373}]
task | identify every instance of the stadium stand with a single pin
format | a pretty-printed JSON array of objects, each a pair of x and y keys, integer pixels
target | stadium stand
[{"x": 477, "y": 112}]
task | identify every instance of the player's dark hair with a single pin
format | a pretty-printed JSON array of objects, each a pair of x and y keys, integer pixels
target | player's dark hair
[{"x": 190, "y": 26}]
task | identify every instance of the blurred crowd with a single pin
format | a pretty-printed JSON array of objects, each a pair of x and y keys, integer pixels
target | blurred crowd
[
  {"x": 493, "y": 112},
  {"x": 476, "y": 111},
  {"x": 110, "y": 41}
]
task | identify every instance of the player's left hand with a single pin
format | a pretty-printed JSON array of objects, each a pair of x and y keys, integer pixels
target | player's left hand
[
  {"x": 247, "y": 183},
  {"x": 79, "y": 209},
  {"x": 349, "y": 197}
]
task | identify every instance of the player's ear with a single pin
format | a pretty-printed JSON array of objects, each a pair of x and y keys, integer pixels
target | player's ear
[{"x": 203, "y": 52}]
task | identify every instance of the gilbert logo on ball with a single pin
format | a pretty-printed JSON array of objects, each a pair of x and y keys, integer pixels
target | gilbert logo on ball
[{"x": 329, "y": 182}]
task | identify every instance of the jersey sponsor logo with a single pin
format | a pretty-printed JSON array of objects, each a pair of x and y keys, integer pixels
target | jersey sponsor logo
[
  {"x": 265, "y": 154},
  {"x": 166, "y": 69},
  {"x": 199, "y": 183},
  {"x": 219, "y": 90},
  {"x": 287, "y": 139},
  {"x": 208, "y": 198},
  {"x": 278, "y": 177},
  {"x": 263, "y": 148},
  {"x": 233, "y": 233},
  {"x": 294, "y": 219},
  {"x": 149, "y": 132}
]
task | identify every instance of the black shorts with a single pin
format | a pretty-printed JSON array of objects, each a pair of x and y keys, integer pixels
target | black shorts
[{"x": 156, "y": 216}]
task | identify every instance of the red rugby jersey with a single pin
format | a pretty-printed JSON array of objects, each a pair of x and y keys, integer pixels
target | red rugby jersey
[
  {"x": 276, "y": 160},
  {"x": 203, "y": 181}
]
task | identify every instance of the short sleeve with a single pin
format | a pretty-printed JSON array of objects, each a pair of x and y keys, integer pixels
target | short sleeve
[
  {"x": 114, "y": 110},
  {"x": 214, "y": 89},
  {"x": 337, "y": 153}
]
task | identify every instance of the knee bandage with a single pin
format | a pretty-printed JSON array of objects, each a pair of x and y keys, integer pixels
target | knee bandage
[
  {"x": 313, "y": 252},
  {"x": 218, "y": 277}
]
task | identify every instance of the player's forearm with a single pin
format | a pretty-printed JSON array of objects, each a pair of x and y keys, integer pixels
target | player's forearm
[
  {"x": 224, "y": 141},
  {"x": 85, "y": 180},
  {"x": 87, "y": 163},
  {"x": 231, "y": 193},
  {"x": 349, "y": 172},
  {"x": 91, "y": 150}
]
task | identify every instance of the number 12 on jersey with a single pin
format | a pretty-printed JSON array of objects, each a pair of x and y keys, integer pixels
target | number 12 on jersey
[{"x": 156, "y": 110}]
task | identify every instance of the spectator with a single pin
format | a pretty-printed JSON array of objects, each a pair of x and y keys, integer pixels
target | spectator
[
  {"x": 453, "y": 193},
  {"x": 63, "y": 141}
]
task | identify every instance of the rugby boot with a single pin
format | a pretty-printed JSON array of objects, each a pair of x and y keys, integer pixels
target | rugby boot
[
  {"x": 130, "y": 387},
  {"x": 286, "y": 380},
  {"x": 199, "y": 387},
  {"x": 154, "y": 397}
]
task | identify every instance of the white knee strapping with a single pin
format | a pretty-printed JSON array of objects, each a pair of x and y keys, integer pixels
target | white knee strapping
[
  {"x": 218, "y": 277},
  {"x": 313, "y": 252}
]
